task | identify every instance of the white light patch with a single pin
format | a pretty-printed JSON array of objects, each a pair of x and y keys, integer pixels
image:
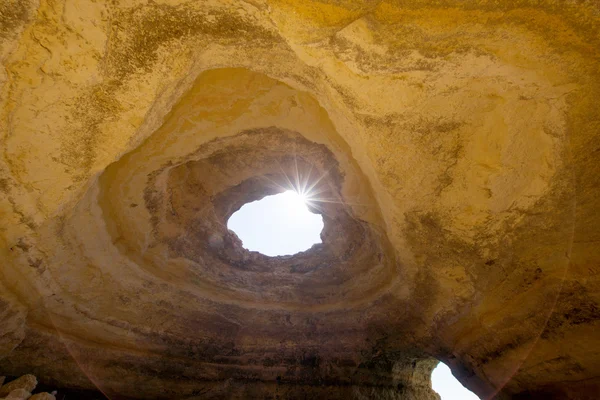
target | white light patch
[
  {"x": 447, "y": 386},
  {"x": 277, "y": 225}
]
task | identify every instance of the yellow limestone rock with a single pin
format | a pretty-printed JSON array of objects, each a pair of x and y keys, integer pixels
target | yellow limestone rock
[
  {"x": 42, "y": 396},
  {"x": 26, "y": 382},
  {"x": 18, "y": 394},
  {"x": 452, "y": 148}
]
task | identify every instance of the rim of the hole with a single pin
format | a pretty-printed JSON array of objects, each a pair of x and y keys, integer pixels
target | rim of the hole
[{"x": 262, "y": 242}]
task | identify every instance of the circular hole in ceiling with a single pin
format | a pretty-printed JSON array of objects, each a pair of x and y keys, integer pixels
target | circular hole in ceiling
[{"x": 277, "y": 225}]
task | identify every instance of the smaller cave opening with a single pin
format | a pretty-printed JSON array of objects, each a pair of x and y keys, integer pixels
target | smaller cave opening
[
  {"x": 447, "y": 386},
  {"x": 278, "y": 225}
]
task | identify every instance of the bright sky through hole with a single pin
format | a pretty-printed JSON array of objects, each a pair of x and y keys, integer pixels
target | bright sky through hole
[
  {"x": 447, "y": 386},
  {"x": 277, "y": 225}
]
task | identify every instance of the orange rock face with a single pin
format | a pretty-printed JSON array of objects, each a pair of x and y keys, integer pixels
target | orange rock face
[{"x": 452, "y": 146}]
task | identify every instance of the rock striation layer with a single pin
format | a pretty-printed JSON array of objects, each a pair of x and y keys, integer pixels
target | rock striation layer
[{"x": 452, "y": 148}]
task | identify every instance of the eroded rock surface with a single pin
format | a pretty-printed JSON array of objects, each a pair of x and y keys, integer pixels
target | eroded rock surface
[
  {"x": 21, "y": 388},
  {"x": 453, "y": 147}
]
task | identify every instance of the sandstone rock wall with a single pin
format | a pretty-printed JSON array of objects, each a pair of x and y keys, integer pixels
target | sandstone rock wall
[{"x": 453, "y": 146}]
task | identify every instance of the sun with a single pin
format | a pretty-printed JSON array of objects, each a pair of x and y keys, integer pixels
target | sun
[
  {"x": 298, "y": 198},
  {"x": 296, "y": 203}
]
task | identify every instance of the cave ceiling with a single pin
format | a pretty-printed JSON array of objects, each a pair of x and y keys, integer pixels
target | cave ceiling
[{"x": 454, "y": 147}]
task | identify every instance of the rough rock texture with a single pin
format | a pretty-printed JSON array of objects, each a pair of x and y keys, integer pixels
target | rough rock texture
[
  {"x": 18, "y": 394},
  {"x": 21, "y": 388},
  {"x": 454, "y": 149},
  {"x": 42, "y": 396},
  {"x": 26, "y": 383}
]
